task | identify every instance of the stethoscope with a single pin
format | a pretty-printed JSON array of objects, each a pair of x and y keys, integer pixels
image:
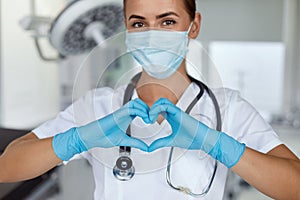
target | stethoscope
[{"x": 124, "y": 169}]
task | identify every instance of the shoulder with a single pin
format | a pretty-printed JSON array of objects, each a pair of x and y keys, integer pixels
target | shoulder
[
  {"x": 243, "y": 122},
  {"x": 227, "y": 97},
  {"x": 97, "y": 94},
  {"x": 103, "y": 95},
  {"x": 101, "y": 101},
  {"x": 93, "y": 105},
  {"x": 237, "y": 113},
  {"x": 233, "y": 105},
  {"x": 206, "y": 108}
]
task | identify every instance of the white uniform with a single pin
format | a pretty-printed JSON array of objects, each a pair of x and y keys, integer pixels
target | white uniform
[{"x": 189, "y": 168}]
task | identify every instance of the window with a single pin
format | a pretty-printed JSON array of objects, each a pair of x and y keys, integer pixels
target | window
[{"x": 256, "y": 69}]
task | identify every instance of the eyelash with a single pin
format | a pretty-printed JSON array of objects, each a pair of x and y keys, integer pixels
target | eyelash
[
  {"x": 137, "y": 24},
  {"x": 169, "y": 22},
  {"x": 141, "y": 24}
]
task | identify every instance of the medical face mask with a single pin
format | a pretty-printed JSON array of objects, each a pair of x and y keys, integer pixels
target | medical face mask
[{"x": 159, "y": 52}]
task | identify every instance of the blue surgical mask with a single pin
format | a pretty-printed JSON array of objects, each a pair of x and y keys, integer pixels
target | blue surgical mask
[{"x": 159, "y": 52}]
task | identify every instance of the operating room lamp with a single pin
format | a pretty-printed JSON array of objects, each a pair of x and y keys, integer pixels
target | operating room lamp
[
  {"x": 83, "y": 24},
  {"x": 79, "y": 27}
]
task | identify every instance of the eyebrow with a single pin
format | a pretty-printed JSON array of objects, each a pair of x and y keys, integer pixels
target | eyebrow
[
  {"x": 136, "y": 17},
  {"x": 166, "y": 14},
  {"x": 157, "y": 17}
]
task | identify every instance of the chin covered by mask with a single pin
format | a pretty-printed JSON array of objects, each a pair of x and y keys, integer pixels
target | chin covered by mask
[{"x": 159, "y": 52}]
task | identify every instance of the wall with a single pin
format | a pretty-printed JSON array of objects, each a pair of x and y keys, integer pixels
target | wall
[
  {"x": 298, "y": 57},
  {"x": 258, "y": 20},
  {"x": 291, "y": 37},
  {"x": 241, "y": 20},
  {"x": 29, "y": 86},
  {"x": 0, "y": 61}
]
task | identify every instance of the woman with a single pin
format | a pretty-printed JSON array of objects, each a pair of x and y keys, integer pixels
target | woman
[{"x": 246, "y": 145}]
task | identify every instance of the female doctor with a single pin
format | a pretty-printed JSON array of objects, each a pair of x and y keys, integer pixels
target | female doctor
[{"x": 246, "y": 145}]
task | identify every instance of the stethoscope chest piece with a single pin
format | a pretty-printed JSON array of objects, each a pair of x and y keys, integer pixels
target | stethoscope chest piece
[{"x": 124, "y": 169}]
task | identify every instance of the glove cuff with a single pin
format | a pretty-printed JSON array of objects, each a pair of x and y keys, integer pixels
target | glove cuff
[
  {"x": 224, "y": 148},
  {"x": 67, "y": 144}
]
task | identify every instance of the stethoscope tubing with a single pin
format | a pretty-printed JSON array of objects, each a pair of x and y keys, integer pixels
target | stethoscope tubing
[{"x": 126, "y": 150}]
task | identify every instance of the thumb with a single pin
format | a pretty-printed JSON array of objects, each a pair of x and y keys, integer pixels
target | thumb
[{"x": 160, "y": 143}]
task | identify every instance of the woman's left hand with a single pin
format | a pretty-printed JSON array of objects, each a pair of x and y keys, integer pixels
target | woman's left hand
[{"x": 189, "y": 133}]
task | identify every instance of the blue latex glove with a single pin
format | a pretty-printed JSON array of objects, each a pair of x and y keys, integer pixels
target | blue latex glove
[
  {"x": 189, "y": 133},
  {"x": 107, "y": 132}
]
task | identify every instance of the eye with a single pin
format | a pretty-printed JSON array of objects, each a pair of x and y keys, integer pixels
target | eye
[
  {"x": 169, "y": 22},
  {"x": 138, "y": 25}
]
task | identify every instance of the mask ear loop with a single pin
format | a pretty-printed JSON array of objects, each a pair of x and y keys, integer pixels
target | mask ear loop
[{"x": 190, "y": 27}]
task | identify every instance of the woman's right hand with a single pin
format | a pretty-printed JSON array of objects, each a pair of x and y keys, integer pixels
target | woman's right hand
[{"x": 106, "y": 132}]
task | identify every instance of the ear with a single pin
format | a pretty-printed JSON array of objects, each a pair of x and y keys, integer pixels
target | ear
[{"x": 195, "y": 30}]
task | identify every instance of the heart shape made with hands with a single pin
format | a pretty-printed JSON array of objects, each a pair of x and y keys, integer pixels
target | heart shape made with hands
[
  {"x": 189, "y": 133},
  {"x": 185, "y": 128}
]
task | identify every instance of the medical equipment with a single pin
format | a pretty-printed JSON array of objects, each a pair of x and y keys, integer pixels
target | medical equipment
[
  {"x": 160, "y": 52},
  {"x": 81, "y": 34},
  {"x": 124, "y": 169},
  {"x": 79, "y": 27},
  {"x": 83, "y": 24}
]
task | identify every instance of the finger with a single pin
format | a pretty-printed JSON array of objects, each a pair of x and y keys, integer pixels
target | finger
[
  {"x": 121, "y": 119},
  {"x": 125, "y": 115},
  {"x": 138, "y": 103},
  {"x": 162, "y": 101},
  {"x": 131, "y": 109},
  {"x": 135, "y": 143},
  {"x": 136, "y": 112},
  {"x": 167, "y": 109},
  {"x": 142, "y": 103},
  {"x": 160, "y": 143}
]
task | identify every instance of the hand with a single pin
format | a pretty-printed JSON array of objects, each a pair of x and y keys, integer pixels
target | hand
[
  {"x": 189, "y": 133},
  {"x": 107, "y": 132}
]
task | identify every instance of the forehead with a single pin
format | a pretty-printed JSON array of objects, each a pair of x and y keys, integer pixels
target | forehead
[{"x": 153, "y": 7}]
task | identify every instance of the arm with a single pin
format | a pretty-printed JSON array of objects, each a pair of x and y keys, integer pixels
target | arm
[
  {"x": 27, "y": 157},
  {"x": 276, "y": 174}
]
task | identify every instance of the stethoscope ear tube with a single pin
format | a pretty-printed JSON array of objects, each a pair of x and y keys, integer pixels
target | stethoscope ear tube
[
  {"x": 124, "y": 169},
  {"x": 186, "y": 190}
]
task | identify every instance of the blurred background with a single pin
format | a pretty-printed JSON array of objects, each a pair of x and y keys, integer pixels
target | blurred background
[{"x": 48, "y": 60}]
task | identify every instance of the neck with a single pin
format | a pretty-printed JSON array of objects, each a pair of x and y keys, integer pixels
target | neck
[{"x": 150, "y": 89}]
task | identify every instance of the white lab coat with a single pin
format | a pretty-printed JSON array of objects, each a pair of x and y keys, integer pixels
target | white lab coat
[{"x": 189, "y": 168}]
